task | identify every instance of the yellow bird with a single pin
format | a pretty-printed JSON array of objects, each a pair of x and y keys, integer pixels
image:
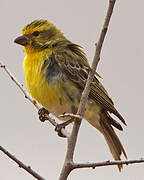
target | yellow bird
[{"x": 56, "y": 71}]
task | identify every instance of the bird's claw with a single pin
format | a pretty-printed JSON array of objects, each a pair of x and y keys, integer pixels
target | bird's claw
[
  {"x": 58, "y": 129},
  {"x": 43, "y": 114}
]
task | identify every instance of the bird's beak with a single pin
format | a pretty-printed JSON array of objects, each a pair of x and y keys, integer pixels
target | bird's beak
[{"x": 22, "y": 40}]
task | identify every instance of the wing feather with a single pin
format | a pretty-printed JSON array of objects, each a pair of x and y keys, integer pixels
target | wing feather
[{"x": 74, "y": 64}]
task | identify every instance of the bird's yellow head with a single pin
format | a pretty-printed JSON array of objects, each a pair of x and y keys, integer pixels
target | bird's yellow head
[{"x": 39, "y": 35}]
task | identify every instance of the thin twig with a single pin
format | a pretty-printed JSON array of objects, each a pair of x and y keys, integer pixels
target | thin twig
[
  {"x": 67, "y": 167},
  {"x": 21, "y": 164},
  {"x": 105, "y": 163},
  {"x": 50, "y": 117},
  {"x": 68, "y": 164},
  {"x": 27, "y": 96}
]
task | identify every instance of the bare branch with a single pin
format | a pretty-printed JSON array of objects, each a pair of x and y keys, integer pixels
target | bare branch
[
  {"x": 106, "y": 163},
  {"x": 27, "y": 96},
  {"x": 50, "y": 117},
  {"x": 21, "y": 164},
  {"x": 67, "y": 167}
]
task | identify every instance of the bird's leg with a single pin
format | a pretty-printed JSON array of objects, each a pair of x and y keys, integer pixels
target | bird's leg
[
  {"x": 43, "y": 117},
  {"x": 66, "y": 123},
  {"x": 43, "y": 114},
  {"x": 63, "y": 125},
  {"x": 58, "y": 127}
]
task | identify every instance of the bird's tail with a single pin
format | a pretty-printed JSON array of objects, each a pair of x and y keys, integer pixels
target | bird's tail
[
  {"x": 104, "y": 124},
  {"x": 112, "y": 140}
]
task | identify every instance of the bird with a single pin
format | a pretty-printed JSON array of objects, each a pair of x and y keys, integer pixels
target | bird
[{"x": 56, "y": 71}]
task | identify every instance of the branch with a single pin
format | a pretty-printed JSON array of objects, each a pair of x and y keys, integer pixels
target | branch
[
  {"x": 67, "y": 167},
  {"x": 2, "y": 65},
  {"x": 105, "y": 163},
  {"x": 21, "y": 165},
  {"x": 50, "y": 117}
]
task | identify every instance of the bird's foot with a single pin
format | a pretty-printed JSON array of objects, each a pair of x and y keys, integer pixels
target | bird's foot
[
  {"x": 63, "y": 125},
  {"x": 58, "y": 129},
  {"x": 43, "y": 114}
]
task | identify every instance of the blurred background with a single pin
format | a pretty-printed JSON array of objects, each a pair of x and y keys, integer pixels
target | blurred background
[{"x": 36, "y": 144}]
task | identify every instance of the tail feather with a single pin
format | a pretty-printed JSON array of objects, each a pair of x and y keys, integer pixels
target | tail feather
[
  {"x": 102, "y": 121},
  {"x": 113, "y": 141},
  {"x": 114, "y": 123},
  {"x": 116, "y": 113}
]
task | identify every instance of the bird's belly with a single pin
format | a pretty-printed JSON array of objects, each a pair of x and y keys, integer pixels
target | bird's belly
[
  {"x": 56, "y": 100},
  {"x": 51, "y": 96}
]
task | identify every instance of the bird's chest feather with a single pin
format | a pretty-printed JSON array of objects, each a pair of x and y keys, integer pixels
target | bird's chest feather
[{"x": 47, "y": 84}]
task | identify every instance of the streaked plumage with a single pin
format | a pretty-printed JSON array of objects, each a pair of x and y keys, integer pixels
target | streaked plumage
[{"x": 56, "y": 71}]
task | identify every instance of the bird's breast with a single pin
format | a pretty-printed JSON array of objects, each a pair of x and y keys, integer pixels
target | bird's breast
[{"x": 49, "y": 87}]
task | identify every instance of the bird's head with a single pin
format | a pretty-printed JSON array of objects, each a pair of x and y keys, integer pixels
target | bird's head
[{"x": 39, "y": 35}]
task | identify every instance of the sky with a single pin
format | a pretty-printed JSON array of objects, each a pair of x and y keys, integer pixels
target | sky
[{"x": 36, "y": 144}]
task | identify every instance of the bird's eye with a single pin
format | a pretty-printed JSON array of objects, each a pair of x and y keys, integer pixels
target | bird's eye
[{"x": 36, "y": 33}]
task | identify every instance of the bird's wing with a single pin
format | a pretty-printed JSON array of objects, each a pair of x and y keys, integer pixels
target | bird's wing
[{"x": 74, "y": 64}]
